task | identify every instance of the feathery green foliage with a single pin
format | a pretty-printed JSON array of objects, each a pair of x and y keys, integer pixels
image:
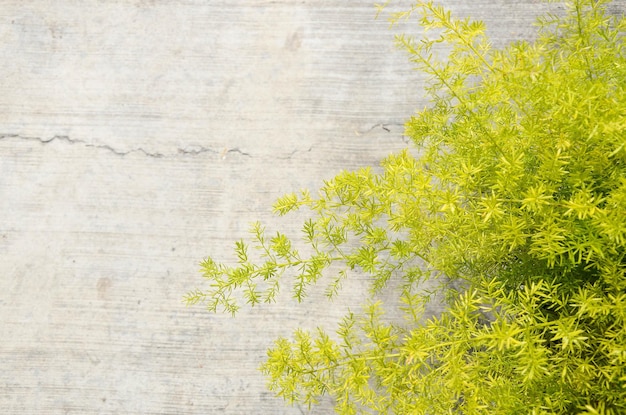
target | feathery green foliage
[{"x": 515, "y": 203}]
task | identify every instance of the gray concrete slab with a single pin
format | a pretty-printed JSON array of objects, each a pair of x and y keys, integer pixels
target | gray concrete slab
[{"x": 139, "y": 136}]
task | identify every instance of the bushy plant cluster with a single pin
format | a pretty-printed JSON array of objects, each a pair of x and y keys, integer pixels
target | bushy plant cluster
[{"x": 513, "y": 198}]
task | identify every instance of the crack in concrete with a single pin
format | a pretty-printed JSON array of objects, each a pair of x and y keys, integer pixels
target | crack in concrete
[
  {"x": 384, "y": 125},
  {"x": 190, "y": 150},
  {"x": 293, "y": 153},
  {"x": 195, "y": 150},
  {"x": 237, "y": 150}
]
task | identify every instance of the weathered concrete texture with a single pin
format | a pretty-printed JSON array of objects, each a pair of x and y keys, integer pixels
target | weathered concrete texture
[{"x": 137, "y": 137}]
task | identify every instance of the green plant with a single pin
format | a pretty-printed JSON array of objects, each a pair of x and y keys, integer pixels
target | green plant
[{"x": 515, "y": 202}]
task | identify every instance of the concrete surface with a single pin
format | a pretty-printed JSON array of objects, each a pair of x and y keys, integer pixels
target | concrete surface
[{"x": 138, "y": 137}]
